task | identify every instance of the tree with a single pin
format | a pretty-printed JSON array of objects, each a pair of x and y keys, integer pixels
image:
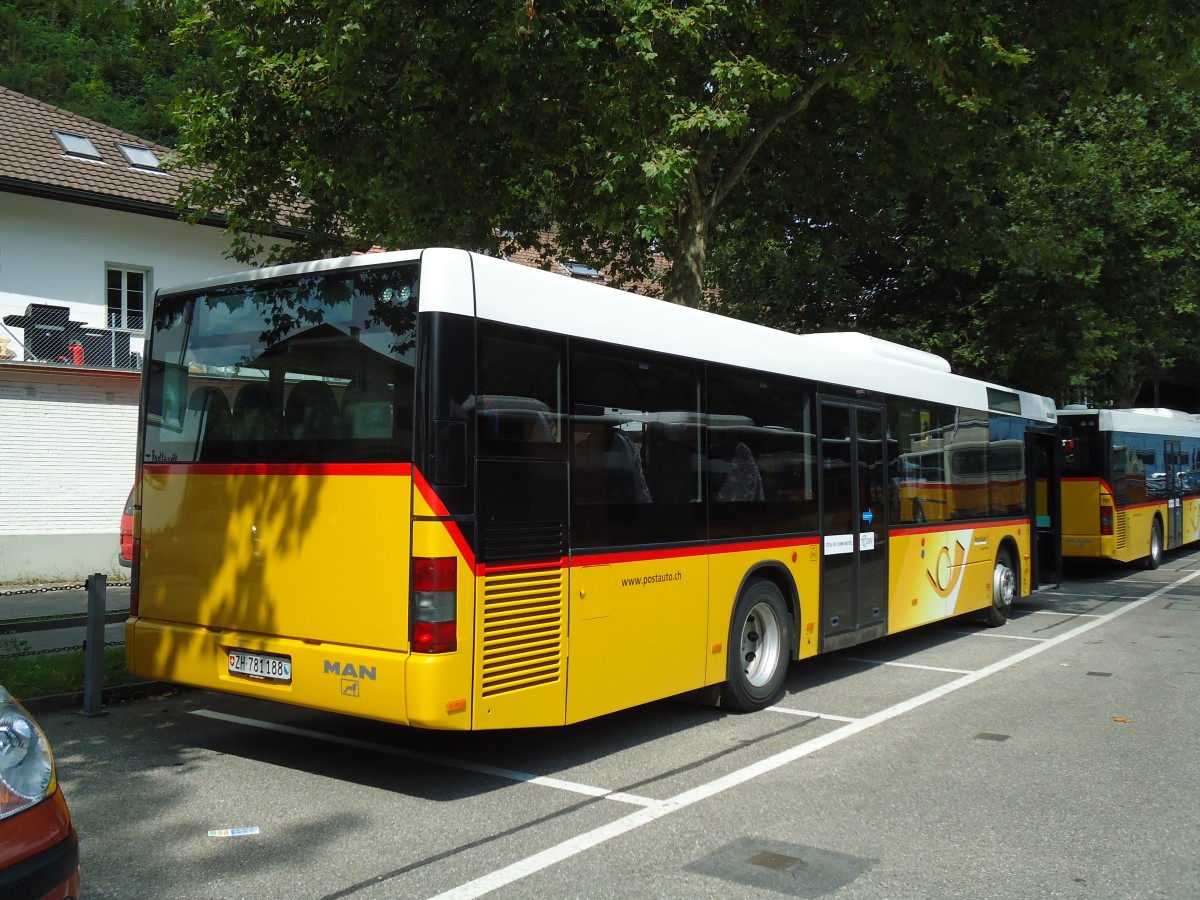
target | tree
[
  {"x": 627, "y": 124},
  {"x": 1058, "y": 255},
  {"x": 112, "y": 62}
]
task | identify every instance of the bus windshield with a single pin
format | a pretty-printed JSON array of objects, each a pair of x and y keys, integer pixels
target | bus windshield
[
  {"x": 316, "y": 368},
  {"x": 1082, "y": 450}
]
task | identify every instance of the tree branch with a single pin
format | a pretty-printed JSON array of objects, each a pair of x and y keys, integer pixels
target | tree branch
[{"x": 797, "y": 104}]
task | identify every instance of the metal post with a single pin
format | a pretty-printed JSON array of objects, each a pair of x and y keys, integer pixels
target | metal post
[{"x": 93, "y": 647}]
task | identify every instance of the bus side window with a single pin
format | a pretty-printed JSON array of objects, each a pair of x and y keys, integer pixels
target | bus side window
[
  {"x": 743, "y": 481},
  {"x": 209, "y": 414},
  {"x": 367, "y": 409},
  {"x": 671, "y": 451},
  {"x": 254, "y": 418},
  {"x": 311, "y": 412}
]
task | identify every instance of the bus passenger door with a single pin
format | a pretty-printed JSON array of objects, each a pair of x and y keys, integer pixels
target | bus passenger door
[
  {"x": 1174, "y": 488},
  {"x": 1042, "y": 471},
  {"x": 854, "y": 577}
]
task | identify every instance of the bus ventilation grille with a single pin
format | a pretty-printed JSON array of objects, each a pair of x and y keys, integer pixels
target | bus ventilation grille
[
  {"x": 1121, "y": 526},
  {"x": 523, "y": 629},
  {"x": 527, "y": 541}
]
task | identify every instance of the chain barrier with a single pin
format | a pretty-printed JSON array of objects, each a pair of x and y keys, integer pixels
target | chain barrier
[
  {"x": 49, "y": 623},
  {"x": 73, "y": 586},
  {"x": 24, "y": 653}
]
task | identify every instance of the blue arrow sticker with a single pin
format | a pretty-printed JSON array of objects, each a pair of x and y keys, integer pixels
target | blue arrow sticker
[{"x": 868, "y": 516}]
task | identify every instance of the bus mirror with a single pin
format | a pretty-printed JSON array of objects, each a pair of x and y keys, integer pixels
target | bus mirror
[{"x": 449, "y": 452}]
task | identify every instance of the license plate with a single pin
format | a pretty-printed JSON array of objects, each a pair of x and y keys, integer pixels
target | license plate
[{"x": 260, "y": 665}]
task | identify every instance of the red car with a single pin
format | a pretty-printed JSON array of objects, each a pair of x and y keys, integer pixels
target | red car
[
  {"x": 39, "y": 850},
  {"x": 127, "y": 530}
]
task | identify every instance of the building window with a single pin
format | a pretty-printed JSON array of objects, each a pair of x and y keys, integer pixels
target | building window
[
  {"x": 126, "y": 298},
  {"x": 77, "y": 145},
  {"x": 139, "y": 157}
]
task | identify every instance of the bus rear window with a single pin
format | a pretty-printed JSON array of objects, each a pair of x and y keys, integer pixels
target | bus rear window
[
  {"x": 311, "y": 369},
  {"x": 1081, "y": 446}
]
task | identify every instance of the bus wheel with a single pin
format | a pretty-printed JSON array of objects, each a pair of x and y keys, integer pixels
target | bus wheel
[
  {"x": 1004, "y": 589},
  {"x": 758, "y": 656},
  {"x": 1156, "y": 545}
]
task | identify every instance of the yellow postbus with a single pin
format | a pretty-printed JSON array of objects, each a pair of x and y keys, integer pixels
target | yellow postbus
[
  {"x": 1130, "y": 483},
  {"x": 441, "y": 489}
]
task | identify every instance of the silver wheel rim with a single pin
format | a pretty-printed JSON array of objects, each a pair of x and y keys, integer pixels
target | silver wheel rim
[
  {"x": 1004, "y": 585},
  {"x": 762, "y": 643},
  {"x": 1155, "y": 544}
]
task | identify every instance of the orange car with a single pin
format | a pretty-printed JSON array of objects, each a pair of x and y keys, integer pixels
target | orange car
[
  {"x": 39, "y": 850},
  {"x": 127, "y": 530}
]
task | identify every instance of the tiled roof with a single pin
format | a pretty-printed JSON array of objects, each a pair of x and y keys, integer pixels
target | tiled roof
[
  {"x": 33, "y": 161},
  {"x": 549, "y": 257}
]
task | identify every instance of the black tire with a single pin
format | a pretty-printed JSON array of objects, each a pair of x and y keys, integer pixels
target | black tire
[
  {"x": 759, "y": 636},
  {"x": 1154, "y": 558},
  {"x": 1006, "y": 587}
]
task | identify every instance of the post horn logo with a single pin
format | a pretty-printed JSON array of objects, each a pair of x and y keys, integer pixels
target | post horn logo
[{"x": 946, "y": 569}]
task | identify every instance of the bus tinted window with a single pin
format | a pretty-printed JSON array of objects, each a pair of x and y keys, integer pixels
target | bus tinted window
[
  {"x": 1082, "y": 442},
  {"x": 955, "y": 463},
  {"x": 761, "y": 455},
  {"x": 311, "y": 369},
  {"x": 636, "y": 448},
  {"x": 919, "y": 483},
  {"x": 518, "y": 410}
]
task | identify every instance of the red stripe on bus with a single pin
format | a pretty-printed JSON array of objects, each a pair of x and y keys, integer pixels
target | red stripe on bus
[
  {"x": 1149, "y": 504},
  {"x": 429, "y": 495},
  {"x": 604, "y": 559},
  {"x": 972, "y": 524},
  {"x": 1088, "y": 479},
  {"x": 309, "y": 469},
  {"x": 507, "y": 568}
]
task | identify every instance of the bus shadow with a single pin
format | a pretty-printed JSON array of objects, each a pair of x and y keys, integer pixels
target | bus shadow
[{"x": 438, "y": 766}]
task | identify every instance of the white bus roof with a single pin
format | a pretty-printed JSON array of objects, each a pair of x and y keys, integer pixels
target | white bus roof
[
  {"x": 457, "y": 281},
  {"x": 1168, "y": 422}
]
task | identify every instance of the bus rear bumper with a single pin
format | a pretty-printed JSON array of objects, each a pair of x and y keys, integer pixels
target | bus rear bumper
[
  {"x": 1085, "y": 546},
  {"x": 350, "y": 680}
]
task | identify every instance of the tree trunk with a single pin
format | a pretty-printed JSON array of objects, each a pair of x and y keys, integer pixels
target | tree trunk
[{"x": 686, "y": 282}]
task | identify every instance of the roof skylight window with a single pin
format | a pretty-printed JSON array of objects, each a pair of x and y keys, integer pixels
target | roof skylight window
[
  {"x": 576, "y": 269},
  {"x": 139, "y": 157},
  {"x": 77, "y": 145}
]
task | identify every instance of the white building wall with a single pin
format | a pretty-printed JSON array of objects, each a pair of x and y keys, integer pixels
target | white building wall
[
  {"x": 67, "y": 434},
  {"x": 55, "y": 252},
  {"x": 67, "y": 453}
]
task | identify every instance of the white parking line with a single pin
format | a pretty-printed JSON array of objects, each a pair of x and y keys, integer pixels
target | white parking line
[
  {"x": 990, "y": 634},
  {"x": 884, "y": 662},
  {"x": 1069, "y": 615},
  {"x": 509, "y": 774},
  {"x": 573, "y": 846},
  {"x": 809, "y": 715}
]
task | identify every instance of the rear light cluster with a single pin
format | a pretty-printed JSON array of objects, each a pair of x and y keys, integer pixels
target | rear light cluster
[
  {"x": 1106, "y": 520},
  {"x": 434, "y": 614}
]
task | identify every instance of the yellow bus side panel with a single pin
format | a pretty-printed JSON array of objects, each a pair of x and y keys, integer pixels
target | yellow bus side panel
[
  {"x": 317, "y": 557},
  {"x": 647, "y": 629},
  {"x": 1130, "y": 540},
  {"x": 938, "y": 574},
  {"x": 638, "y": 632},
  {"x": 1191, "y": 520}
]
